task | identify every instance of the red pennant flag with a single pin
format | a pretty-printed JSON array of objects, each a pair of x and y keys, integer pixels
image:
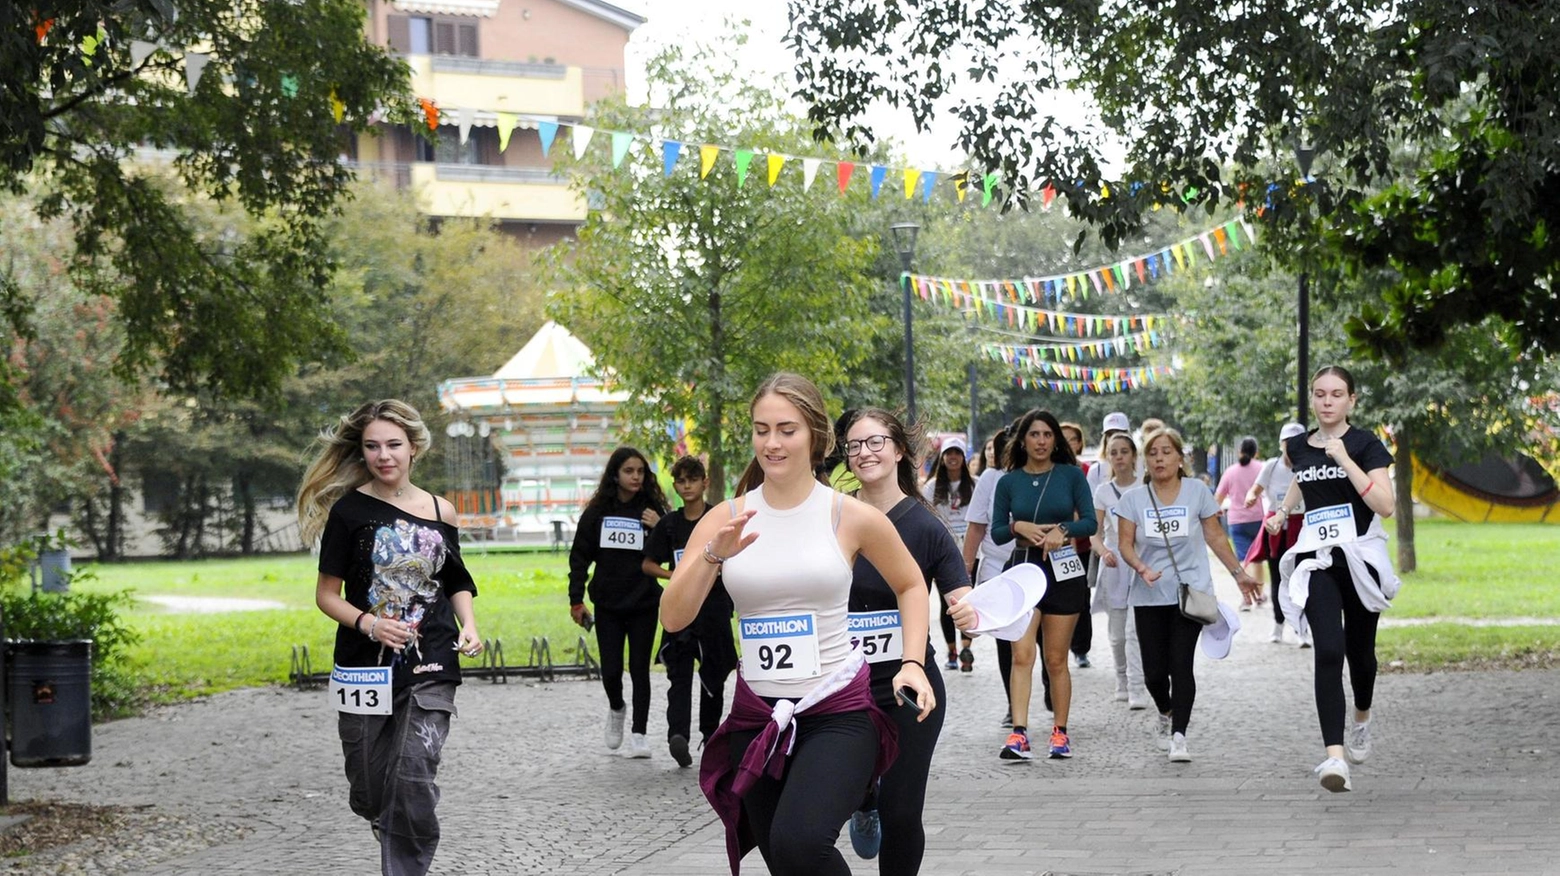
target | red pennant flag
[
  {"x": 41, "y": 26},
  {"x": 1047, "y": 195},
  {"x": 1139, "y": 265},
  {"x": 842, "y": 174}
]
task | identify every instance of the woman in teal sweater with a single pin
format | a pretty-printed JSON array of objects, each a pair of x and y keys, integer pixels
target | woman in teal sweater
[{"x": 1041, "y": 504}]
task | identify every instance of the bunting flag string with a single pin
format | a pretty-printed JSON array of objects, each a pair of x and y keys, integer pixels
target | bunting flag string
[
  {"x": 1034, "y": 320},
  {"x": 1183, "y": 255},
  {"x": 1140, "y": 373},
  {"x": 1074, "y": 351},
  {"x": 1099, "y": 386}
]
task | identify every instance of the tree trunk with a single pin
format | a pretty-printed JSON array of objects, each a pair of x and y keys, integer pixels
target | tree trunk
[
  {"x": 1403, "y": 485},
  {"x": 714, "y": 414},
  {"x": 114, "y": 539},
  {"x": 242, "y": 484}
]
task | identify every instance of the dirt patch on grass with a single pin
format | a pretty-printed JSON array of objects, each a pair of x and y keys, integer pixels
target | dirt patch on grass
[{"x": 1526, "y": 660}]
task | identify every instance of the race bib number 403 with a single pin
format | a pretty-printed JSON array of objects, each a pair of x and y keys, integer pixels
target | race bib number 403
[
  {"x": 878, "y": 634},
  {"x": 360, "y": 690},
  {"x": 622, "y": 534},
  {"x": 779, "y": 647},
  {"x": 1171, "y": 521},
  {"x": 1325, "y": 527},
  {"x": 1066, "y": 564}
]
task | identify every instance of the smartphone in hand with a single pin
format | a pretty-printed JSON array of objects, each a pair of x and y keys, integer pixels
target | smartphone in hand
[{"x": 906, "y": 697}]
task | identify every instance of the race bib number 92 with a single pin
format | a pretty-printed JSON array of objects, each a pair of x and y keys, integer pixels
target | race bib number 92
[{"x": 779, "y": 647}]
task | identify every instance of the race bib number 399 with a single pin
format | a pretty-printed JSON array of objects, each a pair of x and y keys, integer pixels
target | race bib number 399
[
  {"x": 1171, "y": 521},
  {"x": 360, "y": 690},
  {"x": 779, "y": 647},
  {"x": 1066, "y": 564},
  {"x": 622, "y": 534},
  {"x": 878, "y": 634}
]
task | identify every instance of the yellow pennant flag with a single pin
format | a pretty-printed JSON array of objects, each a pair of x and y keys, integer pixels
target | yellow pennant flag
[
  {"x": 505, "y": 122},
  {"x": 961, "y": 184},
  {"x": 911, "y": 176},
  {"x": 707, "y": 159},
  {"x": 338, "y": 109},
  {"x": 776, "y": 161}
]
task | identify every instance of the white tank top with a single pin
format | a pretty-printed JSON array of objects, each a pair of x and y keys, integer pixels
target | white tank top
[{"x": 795, "y": 567}]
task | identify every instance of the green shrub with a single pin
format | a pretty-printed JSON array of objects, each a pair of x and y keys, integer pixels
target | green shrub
[{"x": 77, "y": 615}]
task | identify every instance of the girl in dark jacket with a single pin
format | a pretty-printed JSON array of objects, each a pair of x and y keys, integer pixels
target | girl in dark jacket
[{"x": 611, "y": 534}]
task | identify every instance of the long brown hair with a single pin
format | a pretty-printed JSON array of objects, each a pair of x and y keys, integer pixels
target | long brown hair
[
  {"x": 804, "y": 394},
  {"x": 1018, "y": 454},
  {"x": 907, "y": 440},
  {"x": 940, "y": 483},
  {"x": 607, "y": 490},
  {"x": 338, "y": 465}
]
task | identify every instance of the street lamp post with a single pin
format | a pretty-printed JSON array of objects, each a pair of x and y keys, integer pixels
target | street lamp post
[
  {"x": 1304, "y": 154},
  {"x": 904, "y": 241}
]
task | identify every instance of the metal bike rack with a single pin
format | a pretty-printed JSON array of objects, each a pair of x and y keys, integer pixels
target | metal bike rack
[{"x": 539, "y": 664}]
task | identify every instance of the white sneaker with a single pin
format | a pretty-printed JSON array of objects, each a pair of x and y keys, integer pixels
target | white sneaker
[
  {"x": 638, "y": 745},
  {"x": 1356, "y": 745},
  {"x": 1334, "y": 774},
  {"x": 1138, "y": 701},
  {"x": 615, "y": 727},
  {"x": 1305, "y": 640},
  {"x": 1178, "y": 752},
  {"x": 1162, "y": 735},
  {"x": 1121, "y": 688},
  {"x": 1278, "y": 633}
]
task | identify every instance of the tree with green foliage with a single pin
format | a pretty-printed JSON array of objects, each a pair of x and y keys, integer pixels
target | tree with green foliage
[
  {"x": 1210, "y": 99},
  {"x": 252, "y": 101},
  {"x": 1470, "y": 396},
  {"x": 690, "y": 290}
]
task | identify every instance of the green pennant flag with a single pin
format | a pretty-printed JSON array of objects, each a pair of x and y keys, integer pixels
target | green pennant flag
[
  {"x": 620, "y": 143},
  {"x": 1233, "y": 228},
  {"x": 988, "y": 183},
  {"x": 744, "y": 158}
]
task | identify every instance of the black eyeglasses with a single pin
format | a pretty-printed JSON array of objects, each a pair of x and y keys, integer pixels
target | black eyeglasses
[{"x": 873, "y": 443}]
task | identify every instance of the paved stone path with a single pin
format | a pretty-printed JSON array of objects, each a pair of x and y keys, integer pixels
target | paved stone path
[{"x": 1465, "y": 778}]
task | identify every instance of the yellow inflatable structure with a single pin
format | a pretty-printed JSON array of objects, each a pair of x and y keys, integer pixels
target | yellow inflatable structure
[{"x": 1495, "y": 490}]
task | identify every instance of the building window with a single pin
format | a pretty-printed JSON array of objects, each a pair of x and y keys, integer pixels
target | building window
[
  {"x": 422, "y": 147},
  {"x": 420, "y": 36},
  {"x": 450, "y": 150},
  {"x": 423, "y": 35}
]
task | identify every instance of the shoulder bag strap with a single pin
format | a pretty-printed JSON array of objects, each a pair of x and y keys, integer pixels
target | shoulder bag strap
[{"x": 1162, "y": 534}]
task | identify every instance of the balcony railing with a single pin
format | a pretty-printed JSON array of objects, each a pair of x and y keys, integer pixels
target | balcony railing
[{"x": 488, "y": 67}]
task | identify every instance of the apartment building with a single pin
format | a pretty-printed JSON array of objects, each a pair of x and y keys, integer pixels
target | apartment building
[{"x": 476, "y": 59}]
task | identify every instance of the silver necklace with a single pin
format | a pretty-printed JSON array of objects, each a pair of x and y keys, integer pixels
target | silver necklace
[{"x": 375, "y": 490}]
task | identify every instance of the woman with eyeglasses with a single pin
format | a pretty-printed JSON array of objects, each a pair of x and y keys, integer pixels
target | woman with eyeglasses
[
  {"x": 1041, "y": 504},
  {"x": 880, "y": 451}
]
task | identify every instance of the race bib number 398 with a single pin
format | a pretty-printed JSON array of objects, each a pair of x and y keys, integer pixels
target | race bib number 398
[
  {"x": 622, "y": 534},
  {"x": 779, "y": 647},
  {"x": 360, "y": 690},
  {"x": 878, "y": 634},
  {"x": 1066, "y": 564}
]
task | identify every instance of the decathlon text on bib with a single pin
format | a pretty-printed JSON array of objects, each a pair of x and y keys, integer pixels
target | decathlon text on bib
[
  {"x": 1327, "y": 527},
  {"x": 1170, "y": 521},
  {"x": 360, "y": 690},
  {"x": 1065, "y": 564},
  {"x": 622, "y": 534}
]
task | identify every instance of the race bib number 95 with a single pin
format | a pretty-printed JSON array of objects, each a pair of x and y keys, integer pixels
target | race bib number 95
[
  {"x": 360, "y": 690},
  {"x": 779, "y": 647},
  {"x": 1325, "y": 527}
]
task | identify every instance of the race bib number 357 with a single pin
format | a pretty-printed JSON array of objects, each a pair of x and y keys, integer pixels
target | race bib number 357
[
  {"x": 878, "y": 634},
  {"x": 622, "y": 534},
  {"x": 779, "y": 647},
  {"x": 360, "y": 690}
]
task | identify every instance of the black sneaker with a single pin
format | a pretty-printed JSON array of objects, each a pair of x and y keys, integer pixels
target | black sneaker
[
  {"x": 1007, "y": 719},
  {"x": 679, "y": 747},
  {"x": 966, "y": 660}
]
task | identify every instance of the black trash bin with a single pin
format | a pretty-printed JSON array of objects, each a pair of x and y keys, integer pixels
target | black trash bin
[{"x": 50, "y": 694}]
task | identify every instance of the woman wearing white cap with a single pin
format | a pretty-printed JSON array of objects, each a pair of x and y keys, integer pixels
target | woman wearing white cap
[
  {"x": 948, "y": 491},
  {"x": 1165, "y": 528},
  {"x": 1271, "y": 487},
  {"x": 1338, "y": 578}
]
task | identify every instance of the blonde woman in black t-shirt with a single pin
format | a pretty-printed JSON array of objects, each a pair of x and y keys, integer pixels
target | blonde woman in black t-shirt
[
  {"x": 390, "y": 574},
  {"x": 1338, "y": 578}
]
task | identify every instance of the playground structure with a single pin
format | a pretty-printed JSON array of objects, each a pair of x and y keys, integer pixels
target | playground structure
[
  {"x": 1495, "y": 489},
  {"x": 546, "y": 422}
]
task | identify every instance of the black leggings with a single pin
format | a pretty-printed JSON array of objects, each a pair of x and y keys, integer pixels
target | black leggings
[
  {"x": 901, "y": 797},
  {"x": 948, "y": 631},
  {"x": 1342, "y": 628},
  {"x": 797, "y": 819},
  {"x": 638, "y": 628},
  {"x": 1169, "y": 645}
]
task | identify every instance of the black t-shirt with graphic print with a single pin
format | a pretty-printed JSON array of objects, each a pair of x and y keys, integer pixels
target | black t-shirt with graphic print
[
  {"x": 1324, "y": 483},
  {"x": 401, "y": 566}
]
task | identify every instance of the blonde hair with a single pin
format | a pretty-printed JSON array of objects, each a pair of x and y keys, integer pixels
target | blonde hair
[
  {"x": 1175, "y": 440},
  {"x": 803, "y": 393},
  {"x": 338, "y": 465}
]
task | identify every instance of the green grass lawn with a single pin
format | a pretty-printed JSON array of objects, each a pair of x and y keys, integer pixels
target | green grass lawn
[{"x": 1465, "y": 570}]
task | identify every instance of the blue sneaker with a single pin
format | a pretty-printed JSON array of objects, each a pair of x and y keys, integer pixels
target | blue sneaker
[
  {"x": 1061, "y": 746},
  {"x": 1016, "y": 748},
  {"x": 866, "y": 833}
]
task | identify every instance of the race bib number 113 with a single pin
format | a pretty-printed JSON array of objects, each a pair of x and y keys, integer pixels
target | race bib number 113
[{"x": 360, "y": 690}]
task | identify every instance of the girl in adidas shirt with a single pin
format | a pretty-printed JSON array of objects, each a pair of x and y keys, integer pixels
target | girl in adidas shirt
[{"x": 1337, "y": 579}]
